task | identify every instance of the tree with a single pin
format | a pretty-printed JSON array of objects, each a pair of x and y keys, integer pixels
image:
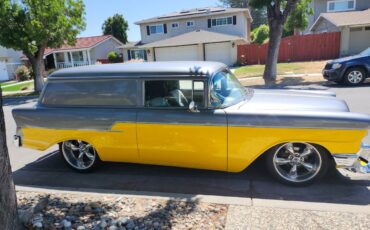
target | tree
[
  {"x": 260, "y": 34},
  {"x": 259, "y": 16},
  {"x": 8, "y": 200},
  {"x": 298, "y": 20},
  {"x": 277, "y": 12},
  {"x": 33, "y": 25},
  {"x": 116, "y": 26}
]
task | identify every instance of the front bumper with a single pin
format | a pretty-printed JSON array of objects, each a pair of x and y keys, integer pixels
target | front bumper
[
  {"x": 332, "y": 74},
  {"x": 359, "y": 162}
]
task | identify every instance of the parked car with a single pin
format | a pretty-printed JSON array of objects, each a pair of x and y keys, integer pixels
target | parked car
[
  {"x": 191, "y": 114},
  {"x": 351, "y": 70}
]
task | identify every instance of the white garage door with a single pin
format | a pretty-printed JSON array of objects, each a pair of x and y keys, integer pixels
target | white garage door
[
  {"x": 3, "y": 72},
  {"x": 178, "y": 53},
  {"x": 220, "y": 52},
  {"x": 359, "y": 40}
]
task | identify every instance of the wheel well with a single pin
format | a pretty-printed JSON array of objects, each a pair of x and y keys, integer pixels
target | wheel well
[
  {"x": 358, "y": 66},
  {"x": 320, "y": 147}
]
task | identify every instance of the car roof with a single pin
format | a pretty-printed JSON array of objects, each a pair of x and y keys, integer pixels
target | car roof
[{"x": 137, "y": 69}]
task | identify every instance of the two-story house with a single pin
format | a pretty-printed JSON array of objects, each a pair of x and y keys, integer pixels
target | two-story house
[
  {"x": 349, "y": 17},
  {"x": 206, "y": 34}
]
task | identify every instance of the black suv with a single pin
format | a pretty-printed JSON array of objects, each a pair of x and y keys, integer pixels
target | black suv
[{"x": 352, "y": 70}]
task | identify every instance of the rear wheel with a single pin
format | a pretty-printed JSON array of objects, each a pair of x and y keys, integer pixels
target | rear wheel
[
  {"x": 79, "y": 155},
  {"x": 297, "y": 163},
  {"x": 354, "y": 76}
]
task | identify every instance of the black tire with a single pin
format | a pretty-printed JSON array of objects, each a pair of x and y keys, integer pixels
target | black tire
[
  {"x": 276, "y": 173},
  {"x": 350, "y": 79},
  {"x": 94, "y": 164}
]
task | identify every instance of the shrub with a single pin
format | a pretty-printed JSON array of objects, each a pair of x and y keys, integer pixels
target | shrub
[
  {"x": 260, "y": 34},
  {"x": 23, "y": 73},
  {"x": 113, "y": 57}
]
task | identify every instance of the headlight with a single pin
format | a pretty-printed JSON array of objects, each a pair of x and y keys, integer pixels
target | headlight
[{"x": 336, "y": 65}]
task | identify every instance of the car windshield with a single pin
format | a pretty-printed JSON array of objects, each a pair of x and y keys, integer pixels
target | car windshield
[
  {"x": 365, "y": 52},
  {"x": 226, "y": 90}
]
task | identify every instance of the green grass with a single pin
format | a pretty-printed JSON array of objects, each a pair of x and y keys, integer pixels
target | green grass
[
  {"x": 7, "y": 83},
  {"x": 282, "y": 68},
  {"x": 18, "y": 87}
]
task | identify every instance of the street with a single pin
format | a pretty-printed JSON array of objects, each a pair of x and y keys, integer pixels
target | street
[{"x": 46, "y": 169}]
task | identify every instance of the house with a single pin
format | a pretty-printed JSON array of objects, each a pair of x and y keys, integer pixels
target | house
[
  {"x": 206, "y": 34},
  {"x": 349, "y": 17},
  {"x": 86, "y": 51},
  {"x": 9, "y": 60}
]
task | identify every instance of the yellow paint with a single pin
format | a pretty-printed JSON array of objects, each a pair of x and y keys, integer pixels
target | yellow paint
[
  {"x": 247, "y": 144},
  {"x": 204, "y": 147}
]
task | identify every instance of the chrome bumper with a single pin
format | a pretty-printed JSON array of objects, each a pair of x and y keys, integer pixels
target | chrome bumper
[
  {"x": 359, "y": 162},
  {"x": 17, "y": 140}
]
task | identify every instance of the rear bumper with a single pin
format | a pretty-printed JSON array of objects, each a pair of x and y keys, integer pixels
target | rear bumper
[
  {"x": 17, "y": 140},
  {"x": 359, "y": 162}
]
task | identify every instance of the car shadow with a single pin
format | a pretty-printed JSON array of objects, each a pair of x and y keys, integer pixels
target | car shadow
[{"x": 254, "y": 182}]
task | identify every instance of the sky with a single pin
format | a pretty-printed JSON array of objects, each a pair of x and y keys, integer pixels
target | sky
[{"x": 97, "y": 11}]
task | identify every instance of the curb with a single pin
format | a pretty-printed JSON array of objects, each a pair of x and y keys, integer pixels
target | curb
[{"x": 284, "y": 75}]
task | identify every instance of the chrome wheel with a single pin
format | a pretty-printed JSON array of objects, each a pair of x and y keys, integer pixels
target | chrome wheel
[
  {"x": 355, "y": 77},
  {"x": 79, "y": 154},
  {"x": 297, "y": 162}
]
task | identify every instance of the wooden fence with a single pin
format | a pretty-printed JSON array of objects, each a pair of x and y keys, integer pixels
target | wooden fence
[{"x": 294, "y": 48}]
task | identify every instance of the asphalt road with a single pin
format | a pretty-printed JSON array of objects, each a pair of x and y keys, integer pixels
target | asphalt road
[{"x": 46, "y": 169}]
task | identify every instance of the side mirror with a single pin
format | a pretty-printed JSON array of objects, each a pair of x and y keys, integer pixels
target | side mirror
[{"x": 193, "y": 107}]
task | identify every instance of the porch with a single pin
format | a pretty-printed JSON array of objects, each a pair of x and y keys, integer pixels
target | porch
[{"x": 67, "y": 59}]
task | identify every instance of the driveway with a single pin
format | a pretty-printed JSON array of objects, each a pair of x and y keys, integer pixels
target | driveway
[{"x": 46, "y": 169}]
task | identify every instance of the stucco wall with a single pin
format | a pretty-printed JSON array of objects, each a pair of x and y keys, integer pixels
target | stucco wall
[
  {"x": 240, "y": 29},
  {"x": 10, "y": 55},
  {"x": 101, "y": 51}
]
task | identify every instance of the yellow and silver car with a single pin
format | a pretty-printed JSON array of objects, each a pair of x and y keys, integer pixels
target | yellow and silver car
[{"x": 191, "y": 114}]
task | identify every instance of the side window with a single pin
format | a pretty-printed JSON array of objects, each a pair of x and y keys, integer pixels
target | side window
[
  {"x": 173, "y": 93},
  {"x": 91, "y": 93}
]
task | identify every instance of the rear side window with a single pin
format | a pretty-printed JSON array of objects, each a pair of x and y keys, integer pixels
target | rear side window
[{"x": 91, "y": 93}]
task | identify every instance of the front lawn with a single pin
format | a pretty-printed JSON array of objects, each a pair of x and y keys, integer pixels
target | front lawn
[
  {"x": 282, "y": 69},
  {"x": 17, "y": 87},
  {"x": 7, "y": 83}
]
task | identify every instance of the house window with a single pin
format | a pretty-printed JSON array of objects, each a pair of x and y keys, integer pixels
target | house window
[
  {"x": 138, "y": 54},
  {"x": 59, "y": 57},
  {"x": 190, "y": 23},
  {"x": 175, "y": 25},
  {"x": 78, "y": 56},
  {"x": 156, "y": 29},
  {"x": 354, "y": 29},
  {"x": 341, "y": 5},
  {"x": 222, "y": 21}
]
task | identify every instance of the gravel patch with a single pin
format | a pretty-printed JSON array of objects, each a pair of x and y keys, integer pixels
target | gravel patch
[{"x": 71, "y": 211}]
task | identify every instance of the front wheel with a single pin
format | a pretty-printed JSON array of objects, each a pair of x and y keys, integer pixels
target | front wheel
[
  {"x": 297, "y": 163},
  {"x": 354, "y": 76},
  {"x": 79, "y": 155}
]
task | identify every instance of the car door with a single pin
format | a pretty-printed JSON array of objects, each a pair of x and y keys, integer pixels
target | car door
[{"x": 169, "y": 134}]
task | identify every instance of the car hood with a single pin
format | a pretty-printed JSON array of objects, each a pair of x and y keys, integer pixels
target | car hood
[
  {"x": 293, "y": 100},
  {"x": 345, "y": 59}
]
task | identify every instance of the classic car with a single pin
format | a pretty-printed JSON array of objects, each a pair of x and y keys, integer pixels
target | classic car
[
  {"x": 191, "y": 114},
  {"x": 352, "y": 70}
]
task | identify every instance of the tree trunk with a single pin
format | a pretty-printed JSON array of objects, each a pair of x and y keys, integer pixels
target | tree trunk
[
  {"x": 275, "y": 33},
  {"x": 8, "y": 200},
  {"x": 38, "y": 68}
]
